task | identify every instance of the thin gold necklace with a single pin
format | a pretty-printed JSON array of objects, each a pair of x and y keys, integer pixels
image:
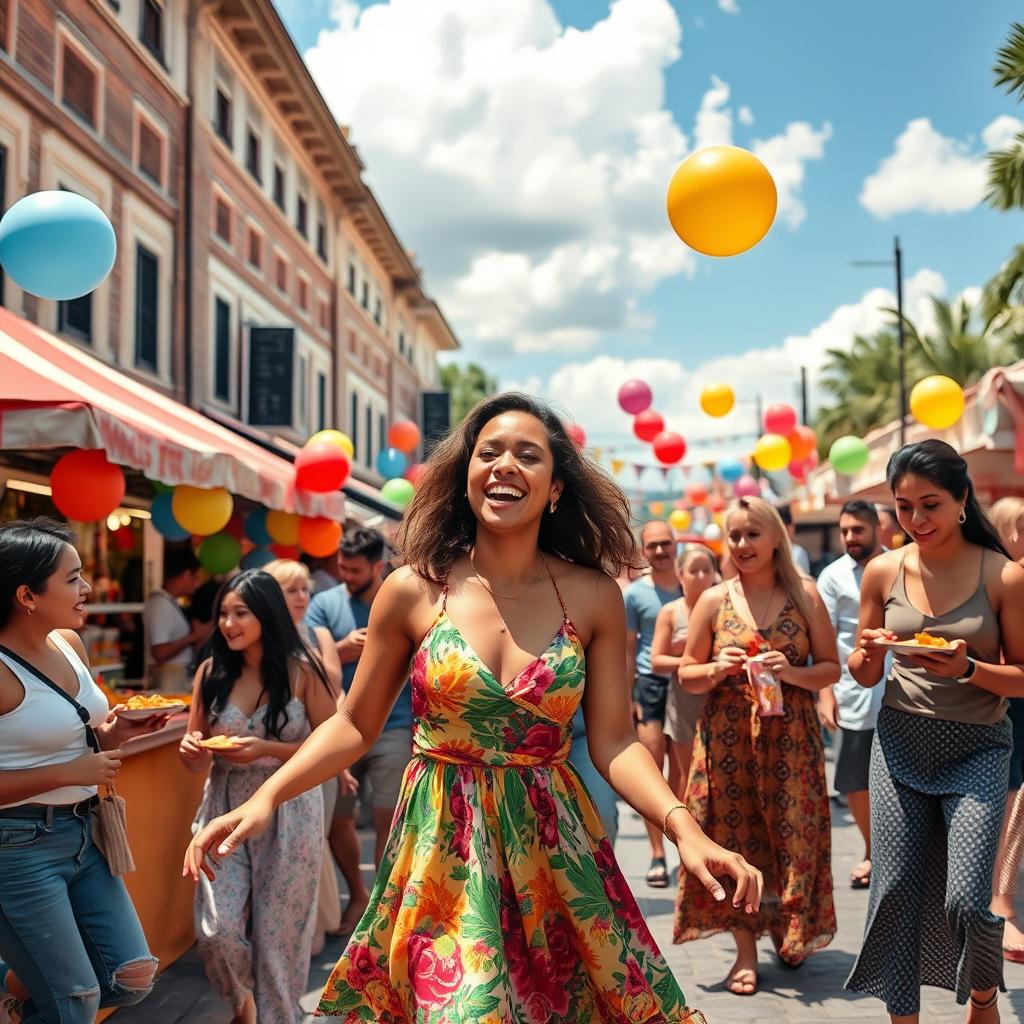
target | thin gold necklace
[
  {"x": 758, "y": 624},
  {"x": 505, "y": 597}
]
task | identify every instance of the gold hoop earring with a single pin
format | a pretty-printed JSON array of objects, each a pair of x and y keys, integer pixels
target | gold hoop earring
[{"x": 962, "y": 518}]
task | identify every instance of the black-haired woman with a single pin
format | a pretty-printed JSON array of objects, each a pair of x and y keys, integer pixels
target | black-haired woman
[
  {"x": 262, "y": 690},
  {"x": 941, "y": 752},
  {"x": 498, "y": 896},
  {"x": 68, "y": 930}
]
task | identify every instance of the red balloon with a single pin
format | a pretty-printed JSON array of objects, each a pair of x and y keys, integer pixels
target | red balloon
[
  {"x": 576, "y": 433},
  {"x": 289, "y": 551},
  {"x": 124, "y": 538},
  {"x": 319, "y": 537},
  {"x": 797, "y": 469},
  {"x": 802, "y": 441},
  {"x": 321, "y": 468},
  {"x": 236, "y": 525},
  {"x": 414, "y": 472},
  {"x": 669, "y": 447},
  {"x": 716, "y": 503},
  {"x": 86, "y": 487},
  {"x": 697, "y": 494},
  {"x": 780, "y": 419},
  {"x": 647, "y": 425},
  {"x": 635, "y": 396},
  {"x": 404, "y": 435}
]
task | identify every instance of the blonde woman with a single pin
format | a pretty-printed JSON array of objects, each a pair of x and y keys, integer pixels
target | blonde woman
[
  {"x": 296, "y": 585},
  {"x": 1007, "y": 516},
  {"x": 757, "y": 784},
  {"x": 695, "y": 567}
]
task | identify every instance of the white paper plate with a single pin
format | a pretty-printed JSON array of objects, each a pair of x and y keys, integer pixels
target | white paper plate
[
  {"x": 913, "y": 645},
  {"x": 141, "y": 714}
]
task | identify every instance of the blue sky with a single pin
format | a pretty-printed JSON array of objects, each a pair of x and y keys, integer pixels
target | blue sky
[{"x": 565, "y": 306}]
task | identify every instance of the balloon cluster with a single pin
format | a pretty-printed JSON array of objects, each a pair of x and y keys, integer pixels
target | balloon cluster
[
  {"x": 635, "y": 398},
  {"x": 395, "y": 465}
]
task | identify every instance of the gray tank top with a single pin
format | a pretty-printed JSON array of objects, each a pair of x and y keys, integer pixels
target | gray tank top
[{"x": 912, "y": 689}]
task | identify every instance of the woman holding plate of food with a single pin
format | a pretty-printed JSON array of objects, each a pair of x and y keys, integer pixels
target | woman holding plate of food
[{"x": 941, "y": 752}]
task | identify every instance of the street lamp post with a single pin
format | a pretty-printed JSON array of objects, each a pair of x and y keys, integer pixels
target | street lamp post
[{"x": 897, "y": 262}]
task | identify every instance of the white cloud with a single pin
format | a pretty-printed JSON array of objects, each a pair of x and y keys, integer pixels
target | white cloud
[
  {"x": 587, "y": 390},
  {"x": 527, "y": 161},
  {"x": 746, "y": 116},
  {"x": 786, "y": 156},
  {"x": 729, "y": 6},
  {"x": 933, "y": 172}
]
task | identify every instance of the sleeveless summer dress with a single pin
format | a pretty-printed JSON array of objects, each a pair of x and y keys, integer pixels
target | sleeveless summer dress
[
  {"x": 757, "y": 786},
  {"x": 498, "y": 900}
]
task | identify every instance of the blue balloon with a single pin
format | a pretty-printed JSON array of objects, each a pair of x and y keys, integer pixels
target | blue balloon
[
  {"x": 391, "y": 463},
  {"x": 57, "y": 245},
  {"x": 257, "y": 558},
  {"x": 163, "y": 519},
  {"x": 731, "y": 470},
  {"x": 256, "y": 528}
]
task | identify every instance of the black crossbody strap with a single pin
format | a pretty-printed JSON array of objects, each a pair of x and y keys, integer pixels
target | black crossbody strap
[{"x": 90, "y": 734}]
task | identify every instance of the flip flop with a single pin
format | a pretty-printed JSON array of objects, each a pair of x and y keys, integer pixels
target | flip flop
[
  {"x": 657, "y": 875},
  {"x": 1014, "y": 953}
]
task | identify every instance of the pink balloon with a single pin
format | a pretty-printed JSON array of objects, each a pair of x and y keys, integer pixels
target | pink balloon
[
  {"x": 576, "y": 434},
  {"x": 634, "y": 397},
  {"x": 746, "y": 487},
  {"x": 780, "y": 419},
  {"x": 798, "y": 469}
]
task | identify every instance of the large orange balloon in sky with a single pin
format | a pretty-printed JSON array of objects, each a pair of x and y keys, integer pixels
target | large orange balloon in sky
[{"x": 722, "y": 201}]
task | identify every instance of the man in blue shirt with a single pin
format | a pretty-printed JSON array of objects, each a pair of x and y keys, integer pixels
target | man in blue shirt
[
  {"x": 848, "y": 707},
  {"x": 644, "y": 600},
  {"x": 345, "y": 611}
]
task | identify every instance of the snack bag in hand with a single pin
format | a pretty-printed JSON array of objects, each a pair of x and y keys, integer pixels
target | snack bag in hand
[{"x": 767, "y": 689}]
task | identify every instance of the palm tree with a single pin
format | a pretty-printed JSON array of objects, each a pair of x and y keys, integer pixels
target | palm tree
[
  {"x": 1006, "y": 166},
  {"x": 955, "y": 348},
  {"x": 864, "y": 382}
]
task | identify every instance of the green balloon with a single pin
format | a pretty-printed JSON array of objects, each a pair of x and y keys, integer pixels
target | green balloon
[
  {"x": 848, "y": 455},
  {"x": 398, "y": 491},
  {"x": 160, "y": 488},
  {"x": 220, "y": 553}
]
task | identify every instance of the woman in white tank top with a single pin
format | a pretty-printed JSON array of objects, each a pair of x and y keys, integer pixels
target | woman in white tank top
[{"x": 56, "y": 889}]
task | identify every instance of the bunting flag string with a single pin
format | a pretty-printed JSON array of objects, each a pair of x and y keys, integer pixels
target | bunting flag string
[{"x": 617, "y": 466}]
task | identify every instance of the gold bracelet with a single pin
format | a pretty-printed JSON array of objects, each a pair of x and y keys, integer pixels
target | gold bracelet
[{"x": 664, "y": 822}]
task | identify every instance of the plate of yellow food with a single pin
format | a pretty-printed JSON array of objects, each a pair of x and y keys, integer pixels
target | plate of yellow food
[
  {"x": 216, "y": 743},
  {"x": 145, "y": 705},
  {"x": 921, "y": 642}
]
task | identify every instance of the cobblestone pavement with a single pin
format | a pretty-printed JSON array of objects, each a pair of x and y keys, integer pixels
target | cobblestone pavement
[{"x": 814, "y": 993}]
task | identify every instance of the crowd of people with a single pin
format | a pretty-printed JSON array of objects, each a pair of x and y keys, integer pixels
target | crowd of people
[{"x": 490, "y": 699}]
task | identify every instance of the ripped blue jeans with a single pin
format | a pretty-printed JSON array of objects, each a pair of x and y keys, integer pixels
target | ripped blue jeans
[{"x": 68, "y": 928}]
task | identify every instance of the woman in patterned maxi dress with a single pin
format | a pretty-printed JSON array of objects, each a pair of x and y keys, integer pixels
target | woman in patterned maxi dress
[
  {"x": 757, "y": 784},
  {"x": 499, "y": 900}
]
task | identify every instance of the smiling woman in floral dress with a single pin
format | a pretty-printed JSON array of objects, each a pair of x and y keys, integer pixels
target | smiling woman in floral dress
[{"x": 498, "y": 898}]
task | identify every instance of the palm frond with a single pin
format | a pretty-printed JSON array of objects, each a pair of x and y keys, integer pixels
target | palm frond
[{"x": 1009, "y": 65}]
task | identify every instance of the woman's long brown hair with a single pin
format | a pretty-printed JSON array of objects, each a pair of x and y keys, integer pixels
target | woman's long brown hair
[{"x": 590, "y": 526}]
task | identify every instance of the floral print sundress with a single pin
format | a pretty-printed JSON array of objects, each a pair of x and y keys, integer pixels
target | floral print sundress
[{"x": 498, "y": 899}]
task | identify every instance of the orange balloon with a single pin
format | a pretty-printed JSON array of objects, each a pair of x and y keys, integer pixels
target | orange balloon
[
  {"x": 404, "y": 435},
  {"x": 319, "y": 537},
  {"x": 802, "y": 442},
  {"x": 721, "y": 201}
]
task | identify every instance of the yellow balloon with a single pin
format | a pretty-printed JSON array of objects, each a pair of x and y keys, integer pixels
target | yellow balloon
[
  {"x": 937, "y": 402},
  {"x": 200, "y": 510},
  {"x": 721, "y": 201},
  {"x": 772, "y": 452},
  {"x": 679, "y": 519},
  {"x": 717, "y": 399},
  {"x": 283, "y": 527},
  {"x": 343, "y": 441}
]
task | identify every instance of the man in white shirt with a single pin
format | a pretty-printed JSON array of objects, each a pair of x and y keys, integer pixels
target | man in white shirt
[
  {"x": 848, "y": 707},
  {"x": 171, "y": 640}
]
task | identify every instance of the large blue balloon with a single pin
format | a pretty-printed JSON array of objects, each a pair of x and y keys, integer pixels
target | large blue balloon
[
  {"x": 163, "y": 519},
  {"x": 256, "y": 528},
  {"x": 57, "y": 245},
  {"x": 391, "y": 463},
  {"x": 730, "y": 470},
  {"x": 257, "y": 558}
]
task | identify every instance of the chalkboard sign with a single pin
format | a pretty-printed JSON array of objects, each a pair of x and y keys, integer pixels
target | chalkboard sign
[
  {"x": 437, "y": 418},
  {"x": 271, "y": 376}
]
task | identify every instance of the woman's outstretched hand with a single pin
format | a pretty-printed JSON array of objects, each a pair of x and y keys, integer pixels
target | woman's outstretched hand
[
  {"x": 707, "y": 861},
  {"x": 224, "y": 835}
]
